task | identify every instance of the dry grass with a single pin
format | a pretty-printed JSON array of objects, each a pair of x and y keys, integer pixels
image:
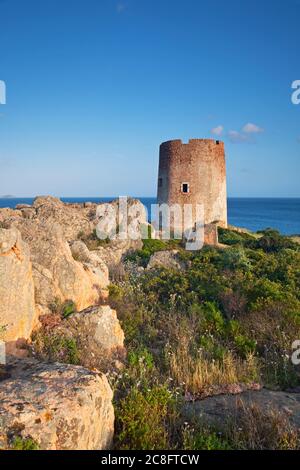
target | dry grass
[
  {"x": 255, "y": 429},
  {"x": 249, "y": 427},
  {"x": 274, "y": 332},
  {"x": 198, "y": 372}
]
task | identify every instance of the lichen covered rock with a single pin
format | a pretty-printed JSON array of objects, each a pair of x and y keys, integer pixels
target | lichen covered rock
[{"x": 57, "y": 406}]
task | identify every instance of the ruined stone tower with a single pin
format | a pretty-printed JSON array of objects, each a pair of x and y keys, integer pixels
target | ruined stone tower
[{"x": 194, "y": 173}]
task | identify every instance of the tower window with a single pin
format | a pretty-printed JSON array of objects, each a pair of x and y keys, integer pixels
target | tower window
[
  {"x": 160, "y": 182},
  {"x": 185, "y": 188}
]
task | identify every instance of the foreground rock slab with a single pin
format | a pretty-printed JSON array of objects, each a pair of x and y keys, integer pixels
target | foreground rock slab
[
  {"x": 58, "y": 406},
  {"x": 216, "y": 410}
]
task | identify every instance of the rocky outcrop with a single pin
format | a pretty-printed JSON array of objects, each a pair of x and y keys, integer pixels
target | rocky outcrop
[
  {"x": 116, "y": 250},
  {"x": 91, "y": 261},
  {"x": 74, "y": 219},
  {"x": 57, "y": 275},
  {"x": 216, "y": 410},
  {"x": 57, "y": 406},
  {"x": 80, "y": 275},
  {"x": 166, "y": 259},
  {"x": 98, "y": 334},
  {"x": 44, "y": 263},
  {"x": 17, "y": 307}
]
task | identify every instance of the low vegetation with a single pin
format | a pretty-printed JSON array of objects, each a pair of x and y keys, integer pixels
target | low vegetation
[
  {"x": 231, "y": 318},
  {"x": 227, "y": 321},
  {"x": 249, "y": 429},
  {"x": 52, "y": 347},
  {"x": 19, "y": 443},
  {"x": 92, "y": 241}
]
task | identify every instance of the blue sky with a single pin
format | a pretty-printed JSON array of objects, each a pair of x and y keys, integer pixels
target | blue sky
[{"x": 94, "y": 86}]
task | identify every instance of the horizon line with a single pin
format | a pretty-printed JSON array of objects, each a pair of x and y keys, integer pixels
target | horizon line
[{"x": 136, "y": 197}]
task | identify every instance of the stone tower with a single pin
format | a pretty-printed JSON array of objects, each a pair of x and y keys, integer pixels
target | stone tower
[{"x": 194, "y": 173}]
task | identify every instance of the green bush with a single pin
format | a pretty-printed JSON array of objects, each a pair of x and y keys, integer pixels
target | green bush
[
  {"x": 53, "y": 347},
  {"x": 233, "y": 237},
  {"x": 68, "y": 309},
  {"x": 204, "y": 439},
  {"x": 143, "y": 419},
  {"x": 273, "y": 242},
  {"x": 235, "y": 258},
  {"x": 141, "y": 357},
  {"x": 20, "y": 443}
]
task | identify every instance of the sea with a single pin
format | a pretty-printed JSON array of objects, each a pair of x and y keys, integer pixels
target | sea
[{"x": 254, "y": 214}]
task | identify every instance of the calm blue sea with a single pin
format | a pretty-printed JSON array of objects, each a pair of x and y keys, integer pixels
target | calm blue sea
[{"x": 252, "y": 213}]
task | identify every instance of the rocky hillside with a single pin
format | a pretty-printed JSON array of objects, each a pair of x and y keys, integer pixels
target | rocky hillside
[
  {"x": 142, "y": 345},
  {"x": 54, "y": 283}
]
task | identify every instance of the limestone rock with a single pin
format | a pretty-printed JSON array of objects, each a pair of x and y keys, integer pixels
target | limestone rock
[
  {"x": 57, "y": 276},
  {"x": 90, "y": 260},
  {"x": 7, "y": 214},
  {"x": 116, "y": 250},
  {"x": 72, "y": 218},
  {"x": 166, "y": 259},
  {"x": 59, "y": 406},
  {"x": 17, "y": 308},
  {"x": 98, "y": 334},
  {"x": 77, "y": 221},
  {"x": 80, "y": 274}
]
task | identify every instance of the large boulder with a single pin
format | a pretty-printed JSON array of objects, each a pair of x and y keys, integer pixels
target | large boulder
[
  {"x": 98, "y": 335},
  {"x": 17, "y": 307},
  {"x": 56, "y": 406}
]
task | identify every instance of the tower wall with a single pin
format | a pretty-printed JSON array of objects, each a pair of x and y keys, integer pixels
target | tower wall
[{"x": 201, "y": 165}]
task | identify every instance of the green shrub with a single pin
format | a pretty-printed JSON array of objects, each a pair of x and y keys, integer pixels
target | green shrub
[
  {"x": 68, "y": 309},
  {"x": 204, "y": 439},
  {"x": 233, "y": 237},
  {"x": 64, "y": 309},
  {"x": 143, "y": 419},
  {"x": 273, "y": 242},
  {"x": 20, "y": 443},
  {"x": 235, "y": 258},
  {"x": 53, "y": 347},
  {"x": 141, "y": 357}
]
